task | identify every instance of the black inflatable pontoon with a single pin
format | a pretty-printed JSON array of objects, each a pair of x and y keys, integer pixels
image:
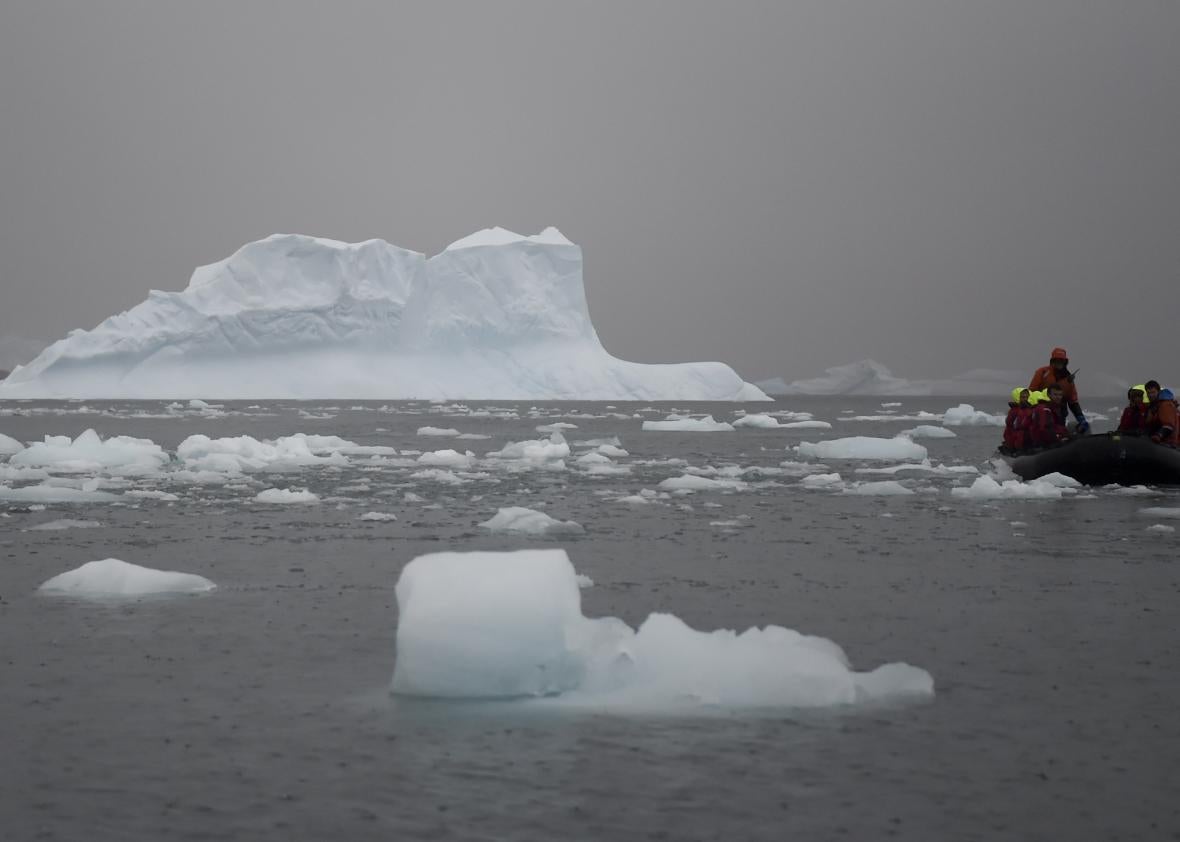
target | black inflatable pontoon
[{"x": 1103, "y": 459}]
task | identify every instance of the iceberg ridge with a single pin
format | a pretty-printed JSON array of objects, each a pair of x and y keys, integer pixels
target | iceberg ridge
[{"x": 496, "y": 315}]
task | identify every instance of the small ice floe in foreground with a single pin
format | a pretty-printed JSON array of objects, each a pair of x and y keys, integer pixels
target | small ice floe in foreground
[
  {"x": 1160, "y": 511},
  {"x": 378, "y": 516},
  {"x": 46, "y": 493},
  {"x": 863, "y": 447},
  {"x": 1161, "y": 527},
  {"x": 89, "y": 453},
  {"x": 806, "y": 425},
  {"x": 965, "y": 415},
  {"x": 9, "y": 445},
  {"x": 883, "y": 488},
  {"x": 521, "y": 521},
  {"x": 929, "y": 431},
  {"x": 758, "y": 420},
  {"x": 678, "y": 424},
  {"x": 286, "y": 495},
  {"x": 510, "y": 625},
  {"x": 986, "y": 488},
  {"x": 112, "y": 577},
  {"x": 441, "y": 432},
  {"x": 64, "y": 523},
  {"x": 692, "y": 482}
]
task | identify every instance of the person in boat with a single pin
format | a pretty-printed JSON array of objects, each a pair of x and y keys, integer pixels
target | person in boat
[
  {"x": 1057, "y": 373},
  {"x": 1161, "y": 415},
  {"x": 1134, "y": 418},
  {"x": 1047, "y": 427},
  {"x": 1019, "y": 421}
]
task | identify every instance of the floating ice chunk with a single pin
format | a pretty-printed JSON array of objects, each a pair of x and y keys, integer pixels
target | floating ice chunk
[
  {"x": 151, "y": 494},
  {"x": 556, "y": 427},
  {"x": 510, "y": 625},
  {"x": 884, "y": 488},
  {"x": 688, "y": 425},
  {"x": 285, "y": 496},
  {"x": 1161, "y": 527},
  {"x": 9, "y": 445},
  {"x": 64, "y": 523},
  {"x": 521, "y": 521},
  {"x": 593, "y": 458},
  {"x": 46, "y": 493},
  {"x": 440, "y": 475},
  {"x": 692, "y": 482},
  {"x": 1059, "y": 480},
  {"x": 441, "y": 432},
  {"x": 112, "y": 577},
  {"x": 553, "y": 449},
  {"x": 965, "y": 415},
  {"x": 245, "y": 454},
  {"x": 806, "y": 425},
  {"x": 929, "y": 431},
  {"x": 612, "y": 441},
  {"x": 822, "y": 481},
  {"x": 986, "y": 488},
  {"x": 448, "y": 459},
  {"x": 611, "y": 451},
  {"x": 758, "y": 420},
  {"x": 89, "y": 453},
  {"x": 331, "y": 446},
  {"x": 378, "y": 516},
  {"x": 863, "y": 447},
  {"x": 1160, "y": 511}
]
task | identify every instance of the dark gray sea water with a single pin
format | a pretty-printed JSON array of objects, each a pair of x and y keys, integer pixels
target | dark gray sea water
[{"x": 261, "y": 711}]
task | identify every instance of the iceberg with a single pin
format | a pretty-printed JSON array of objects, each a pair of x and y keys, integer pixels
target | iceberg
[{"x": 496, "y": 315}]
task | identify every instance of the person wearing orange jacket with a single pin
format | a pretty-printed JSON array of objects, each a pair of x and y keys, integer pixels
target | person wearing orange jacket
[
  {"x": 1057, "y": 372},
  {"x": 1161, "y": 415}
]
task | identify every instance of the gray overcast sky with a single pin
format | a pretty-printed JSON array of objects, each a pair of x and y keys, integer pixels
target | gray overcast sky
[{"x": 783, "y": 186}]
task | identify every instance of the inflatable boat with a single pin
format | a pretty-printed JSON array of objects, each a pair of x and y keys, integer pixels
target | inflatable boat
[{"x": 1102, "y": 459}]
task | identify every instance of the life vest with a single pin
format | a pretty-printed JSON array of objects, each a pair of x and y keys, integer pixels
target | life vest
[
  {"x": 1047, "y": 427},
  {"x": 1134, "y": 419},
  {"x": 1161, "y": 420}
]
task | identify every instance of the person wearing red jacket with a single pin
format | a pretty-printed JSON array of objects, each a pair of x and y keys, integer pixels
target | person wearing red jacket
[
  {"x": 1161, "y": 415},
  {"x": 1018, "y": 422},
  {"x": 1057, "y": 372},
  {"x": 1134, "y": 418},
  {"x": 1048, "y": 420}
]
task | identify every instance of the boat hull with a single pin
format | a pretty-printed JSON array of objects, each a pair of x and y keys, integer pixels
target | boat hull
[{"x": 1102, "y": 460}]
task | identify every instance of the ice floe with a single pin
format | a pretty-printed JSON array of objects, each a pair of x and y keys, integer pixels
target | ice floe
[
  {"x": 965, "y": 415},
  {"x": 286, "y": 496},
  {"x": 863, "y": 447},
  {"x": 688, "y": 425},
  {"x": 510, "y": 625},
  {"x": 519, "y": 520},
  {"x": 112, "y": 577}
]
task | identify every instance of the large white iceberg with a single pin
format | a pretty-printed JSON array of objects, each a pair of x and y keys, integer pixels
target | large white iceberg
[
  {"x": 510, "y": 625},
  {"x": 495, "y": 315}
]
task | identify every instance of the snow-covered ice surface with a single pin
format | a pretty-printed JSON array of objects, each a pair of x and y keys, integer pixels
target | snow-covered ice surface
[
  {"x": 114, "y": 578},
  {"x": 481, "y": 625},
  {"x": 262, "y": 709},
  {"x": 494, "y": 316}
]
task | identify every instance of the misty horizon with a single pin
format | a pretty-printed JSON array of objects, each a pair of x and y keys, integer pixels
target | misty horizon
[{"x": 937, "y": 187}]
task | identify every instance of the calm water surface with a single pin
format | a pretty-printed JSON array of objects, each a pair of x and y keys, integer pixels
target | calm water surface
[{"x": 261, "y": 711}]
